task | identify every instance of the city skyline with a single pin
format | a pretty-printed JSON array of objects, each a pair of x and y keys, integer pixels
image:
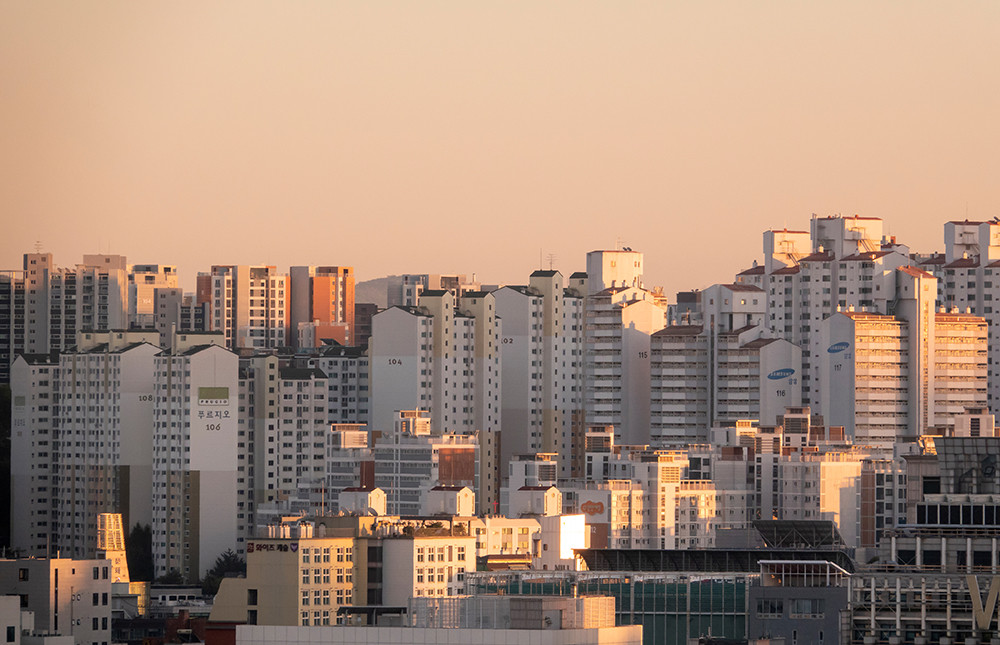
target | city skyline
[{"x": 405, "y": 139}]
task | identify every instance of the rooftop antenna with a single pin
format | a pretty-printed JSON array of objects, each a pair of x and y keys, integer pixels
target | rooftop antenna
[
  {"x": 618, "y": 243},
  {"x": 38, "y": 246},
  {"x": 552, "y": 260},
  {"x": 540, "y": 258}
]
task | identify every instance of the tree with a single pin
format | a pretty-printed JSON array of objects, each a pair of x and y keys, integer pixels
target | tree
[
  {"x": 227, "y": 565},
  {"x": 139, "y": 553},
  {"x": 172, "y": 577}
]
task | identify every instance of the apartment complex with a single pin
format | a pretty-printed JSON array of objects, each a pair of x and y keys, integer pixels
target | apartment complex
[
  {"x": 542, "y": 352},
  {"x": 897, "y": 377},
  {"x": 248, "y": 304},
  {"x": 43, "y": 306},
  {"x": 321, "y": 305},
  {"x": 199, "y": 500},
  {"x": 81, "y": 443},
  {"x": 443, "y": 356}
]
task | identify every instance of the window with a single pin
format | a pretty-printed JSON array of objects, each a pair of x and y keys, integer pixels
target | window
[
  {"x": 10, "y": 634},
  {"x": 770, "y": 608},
  {"x": 22, "y": 575},
  {"x": 251, "y": 596},
  {"x": 806, "y": 608}
]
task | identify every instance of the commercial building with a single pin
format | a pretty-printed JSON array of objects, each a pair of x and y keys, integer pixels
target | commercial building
[
  {"x": 69, "y": 597},
  {"x": 487, "y": 620},
  {"x": 299, "y": 580},
  {"x": 936, "y": 578}
]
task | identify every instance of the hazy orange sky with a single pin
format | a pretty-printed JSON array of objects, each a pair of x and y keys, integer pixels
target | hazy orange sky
[{"x": 468, "y": 136}]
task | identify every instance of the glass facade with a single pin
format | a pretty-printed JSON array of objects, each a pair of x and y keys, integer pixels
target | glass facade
[{"x": 671, "y": 608}]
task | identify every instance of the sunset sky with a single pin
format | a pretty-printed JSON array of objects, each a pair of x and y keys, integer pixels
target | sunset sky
[{"x": 472, "y": 136}]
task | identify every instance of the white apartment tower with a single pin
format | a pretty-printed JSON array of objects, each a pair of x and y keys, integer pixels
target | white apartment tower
[
  {"x": 614, "y": 269},
  {"x": 197, "y": 481},
  {"x": 439, "y": 358},
  {"x": 969, "y": 279},
  {"x": 34, "y": 418},
  {"x": 42, "y": 306},
  {"x": 401, "y": 356},
  {"x": 143, "y": 282},
  {"x": 346, "y": 369},
  {"x": 82, "y": 438},
  {"x": 896, "y": 377},
  {"x": 849, "y": 264},
  {"x": 619, "y": 322},
  {"x": 542, "y": 348},
  {"x": 700, "y": 381},
  {"x": 249, "y": 304}
]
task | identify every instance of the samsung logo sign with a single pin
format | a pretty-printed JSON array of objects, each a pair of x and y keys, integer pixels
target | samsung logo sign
[
  {"x": 777, "y": 375},
  {"x": 837, "y": 347}
]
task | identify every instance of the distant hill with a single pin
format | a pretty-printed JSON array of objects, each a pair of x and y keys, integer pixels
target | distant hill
[{"x": 375, "y": 290}]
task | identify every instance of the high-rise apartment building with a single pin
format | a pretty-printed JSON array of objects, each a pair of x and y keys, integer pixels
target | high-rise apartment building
[
  {"x": 892, "y": 378},
  {"x": 620, "y": 315},
  {"x": 347, "y": 379},
  {"x": 968, "y": 275},
  {"x": 143, "y": 282},
  {"x": 841, "y": 262},
  {"x": 701, "y": 380},
  {"x": 363, "y": 313},
  {"x": 443, "y": 356},
  {"x": 405, "y": 291},
  {"x": 322, "y": 305},
  {"x": 81, "y": 445},
  {"x": 248, "y": 304},
  {"x": 199, "y": 496},
  {"x": 42, "y": 306},
  {"x": 542, "y": 367},
  {"x": 414, "y": 457},
  {"x": 178, "y": 312},
  {"x": 619, "y": 323}
]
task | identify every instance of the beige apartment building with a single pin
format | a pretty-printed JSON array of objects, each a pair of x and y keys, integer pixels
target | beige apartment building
[{"x": 249, "y": 304}]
